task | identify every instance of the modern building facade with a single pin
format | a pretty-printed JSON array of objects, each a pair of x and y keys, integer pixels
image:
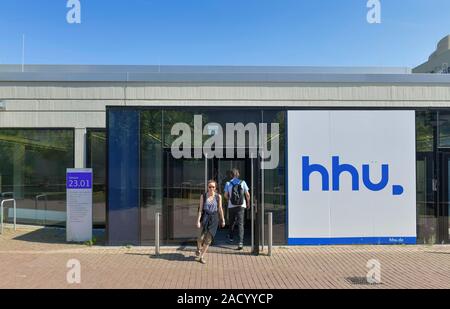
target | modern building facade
[{"x": 338, "y": 156}]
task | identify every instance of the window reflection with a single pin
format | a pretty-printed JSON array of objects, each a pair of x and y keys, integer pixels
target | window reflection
[
  {"x": 173, "y": 186},
  {"x": 151, "y": 173},
  {"x": 96, "y": 159},
  {"x": 33, "y": 164}
]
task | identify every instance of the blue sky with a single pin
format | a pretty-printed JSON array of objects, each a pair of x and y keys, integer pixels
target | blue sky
[{"x": 223, "y": 32}]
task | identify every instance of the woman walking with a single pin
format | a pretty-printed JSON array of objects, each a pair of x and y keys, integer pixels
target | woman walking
[{"x": 209, "y": 210}]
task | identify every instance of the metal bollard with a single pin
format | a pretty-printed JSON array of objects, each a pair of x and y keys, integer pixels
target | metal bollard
[
  {"x": 269, "y": 219},
  {"x": 157, "y": 216},
  {"x": 15, "y": 213}
]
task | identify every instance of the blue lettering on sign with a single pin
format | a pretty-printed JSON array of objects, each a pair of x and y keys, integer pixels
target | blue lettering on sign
[{"x": 338, "y": 169}]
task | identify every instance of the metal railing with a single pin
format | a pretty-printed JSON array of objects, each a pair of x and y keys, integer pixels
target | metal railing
[
  {"x": 3, "y": 194},
  {"x": 1, "y": 212}
]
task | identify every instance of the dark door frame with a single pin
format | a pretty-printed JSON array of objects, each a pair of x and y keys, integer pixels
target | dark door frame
[
  {"x": 212, "y": 164},
  {"x": 254, "y": 181},
  {"x": 443, "y": 199}
]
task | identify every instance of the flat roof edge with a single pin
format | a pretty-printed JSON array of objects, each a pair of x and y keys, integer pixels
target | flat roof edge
[
  {"x": 217, "y": 69},
  {"x": 226, "y": 78}
]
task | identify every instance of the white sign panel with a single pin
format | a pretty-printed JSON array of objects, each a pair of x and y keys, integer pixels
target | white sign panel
[
  {"x": 351, "y": 177},
  {"x": 79, "y": 204}
]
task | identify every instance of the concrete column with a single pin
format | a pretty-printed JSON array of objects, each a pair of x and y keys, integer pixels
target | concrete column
[{"x": 80, "y": 148}]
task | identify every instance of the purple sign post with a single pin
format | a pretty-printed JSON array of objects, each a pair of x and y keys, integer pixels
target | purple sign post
[{"x": 79, "y": 205}]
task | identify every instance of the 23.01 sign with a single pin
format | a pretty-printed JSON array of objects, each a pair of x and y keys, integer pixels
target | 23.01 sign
[{"x": 79, "y": 181}]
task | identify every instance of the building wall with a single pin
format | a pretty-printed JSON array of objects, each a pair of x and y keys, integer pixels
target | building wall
[{"x": 81, "y": 105}]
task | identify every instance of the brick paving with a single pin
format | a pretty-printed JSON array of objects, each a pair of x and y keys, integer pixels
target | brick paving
[{"x": 36, "y": 258}]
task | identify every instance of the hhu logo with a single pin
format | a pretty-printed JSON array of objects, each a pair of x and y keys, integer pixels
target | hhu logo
[{"x": 338, "y": 169}]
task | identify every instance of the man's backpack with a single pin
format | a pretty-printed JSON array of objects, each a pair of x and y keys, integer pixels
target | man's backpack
[{"x": 237, "y": 194}]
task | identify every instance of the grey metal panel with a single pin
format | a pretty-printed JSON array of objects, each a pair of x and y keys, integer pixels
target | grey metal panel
[
  {"x": 61, "y": 77},
  {"x": 294, "y": 78},
  {"x": 229, "y": 78},
  {"x": 216, "y": 74}
]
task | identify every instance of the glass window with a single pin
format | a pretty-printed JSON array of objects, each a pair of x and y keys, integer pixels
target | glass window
[
  {"x": 123, "y": 177},
  {"x": 33, "y": 165},
  {"x": 444, "y": 130},
  {"x": 173, "y": 186},
  {"x": 184, "y": 179},
  {"x": 96, "y": 159},
  {"x": 444, "y": 183},
  {"x": 185, "y": 184},
  {"x": 152, "y": 166},
  {"x": 424, "y": 131},
  {"x": 275, "y": 179},
  {"x": 427, "y": 229}
]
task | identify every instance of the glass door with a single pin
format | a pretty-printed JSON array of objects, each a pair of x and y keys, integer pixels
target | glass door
[
  {"x": 221, "y": 172},
  {"x": 426, "y": 188},
  {"x": 444, "y": 200},
  {"x": 185, "y": 183}
]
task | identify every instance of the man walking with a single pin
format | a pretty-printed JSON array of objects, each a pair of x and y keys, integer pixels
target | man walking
[{"x": 238, "y": 196}]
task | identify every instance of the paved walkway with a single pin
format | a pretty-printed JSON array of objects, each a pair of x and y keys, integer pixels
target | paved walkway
[{"x": 37, "y": 259}]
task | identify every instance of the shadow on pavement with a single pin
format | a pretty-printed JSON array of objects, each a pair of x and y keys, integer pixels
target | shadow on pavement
[
  {"x": 173, "y": 257},
  {"x": 438, "y": 252},
  {"x": 166, "y": 256},
  {"x": 55, "y": 236},
  {"x": 215, "y": 249},
  {"x": 360, "y": 281}
]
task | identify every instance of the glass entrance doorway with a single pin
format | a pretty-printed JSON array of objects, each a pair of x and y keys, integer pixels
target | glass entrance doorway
[
  {"x": 221, "y": 171},
  {"x": 433, "y": 177},
  {"x": 186, "y": 180},
  {"x": 433, "y": 196},
  {"x": 157, "y": 165}
]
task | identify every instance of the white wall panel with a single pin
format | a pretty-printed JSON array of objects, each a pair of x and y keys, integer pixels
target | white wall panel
[{"x": 344, "y": 215}]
